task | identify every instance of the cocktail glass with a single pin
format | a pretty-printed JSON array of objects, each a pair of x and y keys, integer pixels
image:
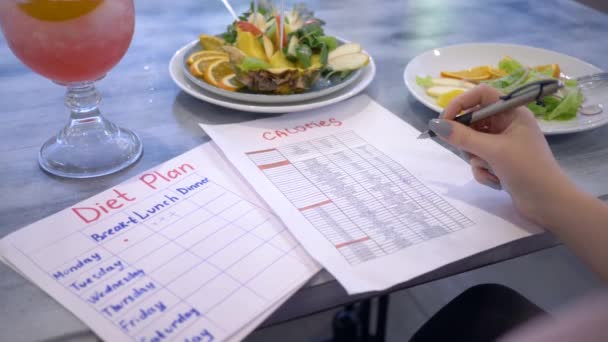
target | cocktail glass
[{"x": 74, "y": 43}]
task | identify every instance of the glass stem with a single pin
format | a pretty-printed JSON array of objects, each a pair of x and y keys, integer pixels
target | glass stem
[{"x": 83, "y": 100}]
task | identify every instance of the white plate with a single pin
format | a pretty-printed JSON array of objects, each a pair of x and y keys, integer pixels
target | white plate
[
  {"x": 458, "y": 57},
  {"x": 319, "y": 89},
  {"x": 175, "y": 70}
]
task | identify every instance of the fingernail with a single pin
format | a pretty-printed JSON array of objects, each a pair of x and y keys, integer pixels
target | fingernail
[
  {"x": 440, "y": 127},
  {"x": 493, "y": 185},
  {"x": 491, "y": 171}
]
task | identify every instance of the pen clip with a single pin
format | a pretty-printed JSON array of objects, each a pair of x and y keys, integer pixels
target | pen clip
[{"x": 540, "y": 84}]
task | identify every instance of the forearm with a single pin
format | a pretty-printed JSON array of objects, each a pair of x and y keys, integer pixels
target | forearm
[{"x": 581, "y": 223}]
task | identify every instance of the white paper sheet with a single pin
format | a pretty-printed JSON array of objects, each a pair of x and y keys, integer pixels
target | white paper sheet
[
  {"x": 369, "y": 201},
  {"x": 182, "y": 252}
]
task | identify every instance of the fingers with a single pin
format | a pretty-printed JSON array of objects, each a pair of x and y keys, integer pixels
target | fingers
[
  {"x": 463, "y": 137},
  {"x": 486, "y": 178},
  {"x": 481, "y": 95},
  {"x": 480, "y": 163}
]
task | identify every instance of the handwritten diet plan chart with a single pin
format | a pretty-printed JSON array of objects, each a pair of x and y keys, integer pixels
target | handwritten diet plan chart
[{"x": 182, "y": 252}]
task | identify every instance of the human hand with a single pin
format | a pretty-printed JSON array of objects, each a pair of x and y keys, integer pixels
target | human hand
[{"x": 507, "y": 151}]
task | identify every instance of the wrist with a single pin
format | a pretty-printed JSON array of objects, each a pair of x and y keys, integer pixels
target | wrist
[
  {"x": 561, "y": 199},
  {"x": 546, "y": 194}
]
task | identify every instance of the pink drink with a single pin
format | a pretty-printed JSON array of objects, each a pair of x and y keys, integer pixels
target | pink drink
[{"x": 83, "y": 47}]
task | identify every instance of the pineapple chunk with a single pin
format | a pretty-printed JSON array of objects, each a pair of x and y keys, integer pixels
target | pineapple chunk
[
  {"x": 279, "y": 61},
  {"x": 246, "y": 42}
]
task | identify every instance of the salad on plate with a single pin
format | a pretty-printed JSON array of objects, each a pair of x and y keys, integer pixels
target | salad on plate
[
  {"x": 508, "y": 75},
  {"x": 273, "y": 53}
]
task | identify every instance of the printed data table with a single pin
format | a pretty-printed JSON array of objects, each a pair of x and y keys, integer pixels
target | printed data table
[{"x": 362, "y": 201}]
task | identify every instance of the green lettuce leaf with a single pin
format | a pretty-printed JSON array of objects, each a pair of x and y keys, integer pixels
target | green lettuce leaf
[
  {"x": 303, "y": 54},
  {"x": 424, "y": 82},
  {"x": 509, "y": 65},
  {"x": 568, "y": 107},
  {"x": 534, "y": 76},
  {"x": 330, "y": 41},
  {"x": 510, "y": 81},
  {"x": 549, "y": 103},
  {"x": 253, "y": 64}
]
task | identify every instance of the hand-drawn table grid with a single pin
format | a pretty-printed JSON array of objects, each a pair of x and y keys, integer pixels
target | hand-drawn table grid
[
  {"x": 363, "y": 202},
  {"x": 211, "y": 241}
]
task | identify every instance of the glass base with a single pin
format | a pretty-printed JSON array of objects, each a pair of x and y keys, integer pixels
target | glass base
[
  {"x": 91, "y": 153},
  {"x": 89, "y": 145}
]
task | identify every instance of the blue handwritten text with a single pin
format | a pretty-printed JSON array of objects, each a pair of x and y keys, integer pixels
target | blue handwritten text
[{"x": 80, "y": 263}]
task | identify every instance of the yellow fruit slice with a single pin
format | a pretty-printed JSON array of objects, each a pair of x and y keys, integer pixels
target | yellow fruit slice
[
  {"x": 230, "y": 83},
  {"x": 497, "y": 73},
  {"x": 268, "y": 46},
  {"x": 216, "y": 71},
  {"x": 278, "y": 60},
  {"x": 315, "y": 62},
  {"x": 205, "y": 53},
  {"x": 444, "y": 99},
  {"x": 198, "y": 67},
  {"x": 211, "y": 42},
  {"x": 250, "y": 45},
  {"x": 58, "y": 10},
  {"x": 436, "y": 91},
  {"x": 474, "y": 74},
  {"x": 549, "y": 69}
]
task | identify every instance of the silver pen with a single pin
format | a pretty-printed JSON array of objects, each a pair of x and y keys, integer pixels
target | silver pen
[{"x": 523, "y": 95}]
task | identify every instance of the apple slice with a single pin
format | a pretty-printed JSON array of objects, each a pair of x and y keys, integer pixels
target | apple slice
[
  {"x": 293, "y": 44},
  {"x": 277, "y": 33},
  {"x": 268, "y": 46},
  {"x": 345, "y": 49},
  {"x": 350, "y": 61},
  {"x": 235, "y": 55},
  {"x": 258, "y": 20},
  {"x": 452, "y": 82},
  {"x": 437, "y": 91}
]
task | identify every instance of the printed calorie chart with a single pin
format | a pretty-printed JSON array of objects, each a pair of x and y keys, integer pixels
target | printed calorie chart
[
  {"x": 364, "y": 203},
  {"x": 183, "y": 252},
  {"x": 367, "y": 200}
]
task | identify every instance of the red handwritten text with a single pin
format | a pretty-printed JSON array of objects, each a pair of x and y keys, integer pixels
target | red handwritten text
[
  {"x": 93, "y": 213},
  {"x": 285, "y": 132},
  {"x": 151, "y": 178}
]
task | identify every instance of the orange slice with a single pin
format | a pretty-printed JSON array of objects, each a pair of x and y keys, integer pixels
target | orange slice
[
  {"x": 230, "y": 83},
  {"x": 211, "y": 42},
  {"x": 549, "y": 69},
  {"x": 474, "y": 74},
  {"x": 497, "y": 73},
  {"x": 58, "y": 10},
  {"x": 198, "y": 67},
  {"x": 216, "y": 71},
  {"x": 205, "y": 53}
]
